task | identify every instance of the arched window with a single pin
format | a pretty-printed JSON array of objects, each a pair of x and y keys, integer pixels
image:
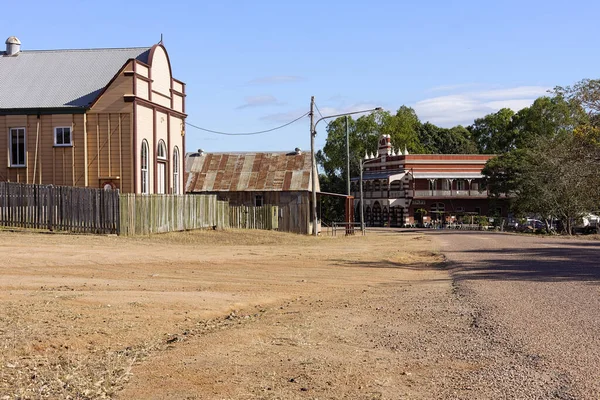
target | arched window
[
  {"x": 161, "y": 168},
  {"x": 376, "y": 214},
  {"x": 176, "y": 170},
  {"x": 144, "y": 167},
  {"x": 161, "y": 152}
]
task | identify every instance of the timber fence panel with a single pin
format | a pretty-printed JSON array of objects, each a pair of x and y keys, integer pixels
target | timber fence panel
[
  {"x": 59, "y": 208},
  {"x": 244, "y": 217},
  {"x": 147, "y": 214}
]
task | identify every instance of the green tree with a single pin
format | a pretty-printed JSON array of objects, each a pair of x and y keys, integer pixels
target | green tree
[
  {"x": 363, "y": 138},
  {"x": 436, "y": 140},
  {"x": 494, "y": 133},
  {"x": 552, "y": 169},
  {"x": 547, "y": 117}
]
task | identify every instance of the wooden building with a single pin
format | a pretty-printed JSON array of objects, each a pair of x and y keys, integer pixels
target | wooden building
[
  {"x": 256, "y": 179},
  {"x": 111, "y": 118},
  {"x": 397, "y": 187}
]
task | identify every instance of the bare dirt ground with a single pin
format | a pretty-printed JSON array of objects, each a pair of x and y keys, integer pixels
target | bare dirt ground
[
  {"x": 261, "y": 315},
  {"x": 221, "y": 315}
]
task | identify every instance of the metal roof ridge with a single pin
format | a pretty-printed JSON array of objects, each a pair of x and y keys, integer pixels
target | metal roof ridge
[{"x": 85, "y": 50}]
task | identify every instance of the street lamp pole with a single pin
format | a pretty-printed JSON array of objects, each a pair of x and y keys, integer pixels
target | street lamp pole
[{"x": 313, "y": 133}]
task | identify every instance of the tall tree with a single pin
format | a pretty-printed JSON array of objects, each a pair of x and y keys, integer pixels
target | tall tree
[
  {"x": 547, "y": 117},
  {"x": 436, "y": 140},
  {"x": 494, "y": 133},
  {"x": 363, "y": 134},
  {"x": 551, "y": 170}
]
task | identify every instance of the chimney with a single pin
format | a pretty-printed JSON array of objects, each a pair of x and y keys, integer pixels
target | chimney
[{"x": 13, "y": 46}]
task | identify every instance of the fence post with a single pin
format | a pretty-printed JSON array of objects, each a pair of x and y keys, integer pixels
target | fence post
[{"x": 50, "y": 206}]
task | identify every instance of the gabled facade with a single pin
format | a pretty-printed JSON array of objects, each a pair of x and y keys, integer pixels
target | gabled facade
[
  {"x": 101, "y": 118},
  {"x": 397, "y": 188}
]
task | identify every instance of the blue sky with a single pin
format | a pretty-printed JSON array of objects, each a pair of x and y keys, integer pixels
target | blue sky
[{"x": 252, "y": 66}]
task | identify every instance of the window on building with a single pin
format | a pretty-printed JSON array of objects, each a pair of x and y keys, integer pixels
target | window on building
[
  {"x": 176, "y": 170},
  {"x": 478, "y": 210},
  {"x": 17, "y": 147},
  {"x": 475, "y": 186},
  {"x": 445, "y": 184},
  {"x": 258, "y": 200},
  {"x": 62, "y": 136},
  {"x": 377, "y": 186},
  {"x": 161, "y": 152},
  {"x": 161, "y": 168},
  {"x": 460, "y": 184},
  {"x": 432, "y": 184},
  {"x": 144, "y": 167}
]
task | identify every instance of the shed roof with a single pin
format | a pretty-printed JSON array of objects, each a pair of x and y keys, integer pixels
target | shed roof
[
  {"x": 235, "y": 172},
  {"x": 60, "y": 78}
]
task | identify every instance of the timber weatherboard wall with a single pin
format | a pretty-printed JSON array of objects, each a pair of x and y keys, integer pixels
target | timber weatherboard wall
[{"x": 142, "y": 102}]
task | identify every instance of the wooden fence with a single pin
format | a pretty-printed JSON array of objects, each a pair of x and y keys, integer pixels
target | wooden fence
[
  {"x": 59, "y": 208},
  {"x": 85, "y": 210},
  {"x": 146, "y": 214},
  {"x": 243, "y": 217}
]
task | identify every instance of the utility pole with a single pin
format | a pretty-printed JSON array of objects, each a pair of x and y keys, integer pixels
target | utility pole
[
  {"x": 347, "y": 159},
  {"x": 313, "y": 165}
]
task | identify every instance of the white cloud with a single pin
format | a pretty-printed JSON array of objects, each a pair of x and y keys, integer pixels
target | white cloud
[
  {"x": 464, "y": 108},
  {"x": 274, "y": 79},
  {"x": 258, "y": 101}
]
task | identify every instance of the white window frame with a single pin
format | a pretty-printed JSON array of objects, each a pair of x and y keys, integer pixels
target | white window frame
[
  {"x": 70, "y": 144},
  {"x": 10, "y": 146},
  {"x": 144, "y": 175},
  {"x": 176, "y": 170}
]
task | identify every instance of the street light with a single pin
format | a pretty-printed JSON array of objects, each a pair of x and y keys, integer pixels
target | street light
[{"x": 313, "y": 133}]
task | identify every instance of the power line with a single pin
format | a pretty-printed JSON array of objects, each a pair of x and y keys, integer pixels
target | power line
[
  {"x": 319, "y": 111},
  {"x": 326, "y": 122},
  {"x": 248, "y": 133}
]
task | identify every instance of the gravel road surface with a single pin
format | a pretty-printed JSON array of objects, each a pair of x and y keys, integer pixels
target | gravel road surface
[{"x": 536, "y": 313}]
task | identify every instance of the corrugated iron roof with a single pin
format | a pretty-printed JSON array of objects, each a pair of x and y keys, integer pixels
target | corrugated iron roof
[
  {"x": 60, "y": 78},
  {"x": 239, "y": 172}
]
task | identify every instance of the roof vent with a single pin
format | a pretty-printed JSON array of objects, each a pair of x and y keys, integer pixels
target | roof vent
[
  {"x": 298, "y": 151},
  {"x": 13, "y": 46}
]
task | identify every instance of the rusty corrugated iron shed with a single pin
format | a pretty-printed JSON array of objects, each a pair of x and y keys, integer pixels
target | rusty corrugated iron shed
[{"x": 243, "y": 172}]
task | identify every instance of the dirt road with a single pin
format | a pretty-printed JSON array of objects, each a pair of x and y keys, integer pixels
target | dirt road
[{"x": 538, "y": 301}]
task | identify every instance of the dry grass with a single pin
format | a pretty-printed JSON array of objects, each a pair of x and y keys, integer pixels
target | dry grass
[
  {"x": 78, "y": 312},
  {"x": 229, "y": 237}
]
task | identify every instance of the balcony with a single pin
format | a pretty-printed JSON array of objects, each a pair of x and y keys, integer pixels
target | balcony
[{"x": 450, "y": 193}]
